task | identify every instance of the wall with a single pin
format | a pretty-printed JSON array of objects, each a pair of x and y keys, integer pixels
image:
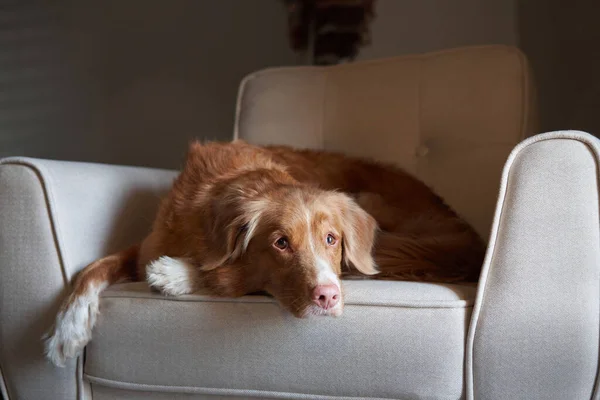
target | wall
[
  {"x": 129, "y": 82},
  {"x": 407, "y": 26},
  {"x": 563, "y": 46}
]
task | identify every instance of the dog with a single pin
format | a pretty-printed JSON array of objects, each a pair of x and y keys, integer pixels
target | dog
[{"x": 241, "y": 219}]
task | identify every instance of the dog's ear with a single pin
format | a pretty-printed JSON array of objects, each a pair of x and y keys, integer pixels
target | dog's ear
[
  {"x": 230, "y": 226},
  {"x": 358, "y": 235}
]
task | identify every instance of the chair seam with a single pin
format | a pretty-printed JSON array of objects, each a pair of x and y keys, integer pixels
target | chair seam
[
  {"x": 238, "y": 104},
  {"x": 525, "y": 95},
  {"x": 465, "y": 303},
  {"x": 420, "y": 160},
  {"x": 324, "y": 107},
  {"x": 216, "y": 391},
  {"x": 450, "y": 304}
]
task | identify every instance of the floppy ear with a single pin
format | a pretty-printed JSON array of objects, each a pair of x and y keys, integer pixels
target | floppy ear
[
  {"x": 358, "y": 236},
  {"x": 229, "y": 228}
]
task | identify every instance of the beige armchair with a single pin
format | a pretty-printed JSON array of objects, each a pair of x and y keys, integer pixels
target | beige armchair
[{"x": 530, "y": 330}]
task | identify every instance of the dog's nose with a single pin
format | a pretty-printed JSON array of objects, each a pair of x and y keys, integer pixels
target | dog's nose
[{"x": 326, "y": 296}]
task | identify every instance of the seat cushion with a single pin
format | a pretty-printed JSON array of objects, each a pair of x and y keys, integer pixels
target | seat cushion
[{"x": 394, "y": 340}]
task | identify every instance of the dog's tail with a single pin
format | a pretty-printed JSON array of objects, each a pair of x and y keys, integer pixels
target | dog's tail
[{"x": 72, "y": 329}]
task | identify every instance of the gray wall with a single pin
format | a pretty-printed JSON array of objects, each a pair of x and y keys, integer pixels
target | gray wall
[
  {"x": 408, "y": 26},
  {"x": 128, "y": 81},
  {"x": 562, "y": 41}
]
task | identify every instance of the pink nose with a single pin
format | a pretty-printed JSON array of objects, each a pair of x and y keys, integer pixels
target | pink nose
[{"x": 326, "y": 296}]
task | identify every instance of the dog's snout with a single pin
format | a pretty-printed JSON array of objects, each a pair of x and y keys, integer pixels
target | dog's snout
[{"x": 326, "y": 296}]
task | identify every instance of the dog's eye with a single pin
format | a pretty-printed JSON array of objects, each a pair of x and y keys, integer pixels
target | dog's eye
[
  {"x": 281, "y": 243},
  {"x": 331, "y": 239}
]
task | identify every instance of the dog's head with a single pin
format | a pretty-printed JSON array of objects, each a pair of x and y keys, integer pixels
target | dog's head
[{"x": 290, "y": 241}]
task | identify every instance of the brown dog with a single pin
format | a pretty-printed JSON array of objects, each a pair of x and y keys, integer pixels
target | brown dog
[{"x": 241, "y": 219}]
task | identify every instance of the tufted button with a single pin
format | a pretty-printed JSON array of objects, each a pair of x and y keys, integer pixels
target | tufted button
[{"x": 422, "y": 151}]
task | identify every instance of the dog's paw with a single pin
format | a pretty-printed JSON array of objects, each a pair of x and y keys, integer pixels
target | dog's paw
[
  {"x": 172, "y": 276},
  {"x": 73, "y": 327}
]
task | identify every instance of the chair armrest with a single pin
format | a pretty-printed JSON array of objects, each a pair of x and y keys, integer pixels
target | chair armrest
[
  {"x": 535, "y": 326},
  {"x": 56, "y": 217}
]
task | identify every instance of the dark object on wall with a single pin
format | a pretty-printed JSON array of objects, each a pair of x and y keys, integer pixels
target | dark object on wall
[{"x": 329, "y": 31}]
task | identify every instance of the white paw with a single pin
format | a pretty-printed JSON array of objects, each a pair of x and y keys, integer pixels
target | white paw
[
  {"x": 73, "y": 327},
  {"x": 172, "y": 276}
]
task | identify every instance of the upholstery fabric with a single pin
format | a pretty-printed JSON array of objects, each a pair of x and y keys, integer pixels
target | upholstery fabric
[
  {"x": 436, "y": 115},
  {"x": 30, "y": 280},
  {"x": 535, "y": 329},
  {"x": 395, "y": 340},
  {"x": 56, "y": 217}
]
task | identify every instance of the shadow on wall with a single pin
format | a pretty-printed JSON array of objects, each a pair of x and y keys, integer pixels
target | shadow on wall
[
  {"x": 563, "y": 46},
  {"x": 116, "y": 82},
  {"x": 405, "y": 27}
]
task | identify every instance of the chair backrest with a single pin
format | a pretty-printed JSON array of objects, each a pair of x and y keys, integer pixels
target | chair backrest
[{"x": 450, "y": 118}]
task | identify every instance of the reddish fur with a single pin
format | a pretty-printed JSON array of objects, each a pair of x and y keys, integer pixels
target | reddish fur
[
  {"x": 419, "y": 236},
  {"x": 110, "y": 269}
]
